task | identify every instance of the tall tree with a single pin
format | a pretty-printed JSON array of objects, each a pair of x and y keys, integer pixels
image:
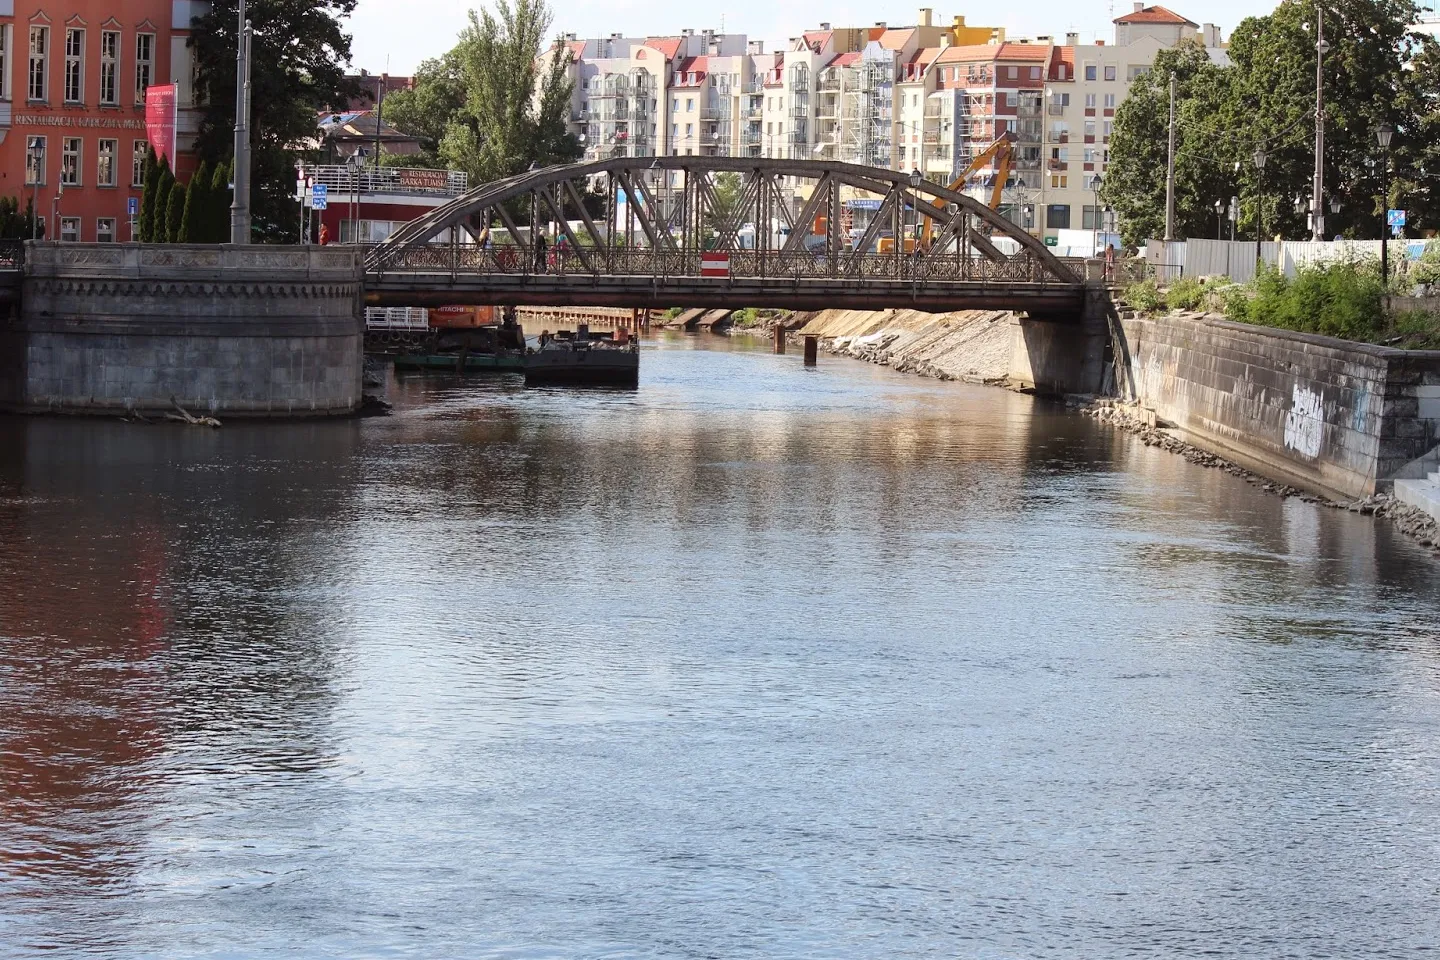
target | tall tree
[
  {"x": 220, "y": 197},
  {"x": 194, "y": 227},
  {"x": 1375, "y": 71},
  {"x": 159, "y": 227},
  {"x": 426, "y": 110},
  {"x": 175, "y": 212},
  {"x": 153, "y": 170},
  {"x": 298, "y": 58},
  {"x": 516, "y": 102}
]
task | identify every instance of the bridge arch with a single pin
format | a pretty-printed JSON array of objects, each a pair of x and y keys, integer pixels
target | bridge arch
[{"x": 664, "y": 222}]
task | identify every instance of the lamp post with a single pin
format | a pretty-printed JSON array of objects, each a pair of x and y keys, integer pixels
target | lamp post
[
  {"x": 1219, "y": 219},
  {"x": 1383, "y": 133},
  {"x": 1234, "y": 214},
  {"x": 240, "y": 204},
  {"x": 916, "y": 177},
  {"x": 37, "y": 154},
  {"x": 1317, "y": 188},
  {"x": 1259, "y": 204},
  {"x": 1096, "y": 182},
  {"x": 356, "y": 164}
]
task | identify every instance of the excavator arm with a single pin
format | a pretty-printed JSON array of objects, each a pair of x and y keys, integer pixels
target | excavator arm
[{"x": 1001, "y": 153}]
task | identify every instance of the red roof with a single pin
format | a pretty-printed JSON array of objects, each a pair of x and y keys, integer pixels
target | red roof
[
  {"x": 692, "y": 63},
  {"x": 970, "y": 53},
  {"x": 895, "y": 39},
  {"x": 845, "y": 59},
  {"x": 1065, "y": 56},
  {"x": 1155, "y": 15},
  {"x": 1023, "y": 51},
  {"x": 669, "y": 46},
  {"x": 816, "y": 39}
]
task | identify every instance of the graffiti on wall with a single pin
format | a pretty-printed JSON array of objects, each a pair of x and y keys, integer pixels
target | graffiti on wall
[{"x": 1305, "y": 423}]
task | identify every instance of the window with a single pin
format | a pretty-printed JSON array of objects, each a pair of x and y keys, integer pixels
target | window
[
  {"x": 1090, "y": 101},
  {"x": 689, "y": 129},
  {"x": 674, "y": 131},
  {"x": 4, "y": 61},
  {"x": 1089, "y": 128},
  {"x": 1108, "y": 128},
  {"x": 1136, "y": 70},
  {"x": 1089, "y": 155},
  {"x": 105, "y": 230},
  {"x": 110, "y": 67},
  {"x": 138, "y": 149},
  {"x": 1034, "y": 73},
  {"x": 1110, "y": 71},
  {"x": 689, "y": 104},
  {"x": 1060, "y": 71},
  {"x": 1089, "y": 71},
  {"x": 1090, "y": 218},
  {"x": 39, "y": 55},
  {"x": 70, "y": 161},
  {"x": 144, "y": 64},
  {"x": 35, "y": 168},
  {"x": 675, "y": 105},
  {"x": 1057, "y": 216},
  {"x": 105, "y": 163},
  {"x": 1012, "y": 72},
  {"x": 74, "y": 63},
  {"x": 1012, "y": 98},
  {"x": 1109, "y": 101},
  {"x": 1064, "y": 155},
  {"x": 69, "y": 229}
]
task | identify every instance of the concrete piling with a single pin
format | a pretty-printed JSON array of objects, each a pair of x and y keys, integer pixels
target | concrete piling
[
  {"x": 812, "y": 350},
  {"x": 779, "y": 339}
]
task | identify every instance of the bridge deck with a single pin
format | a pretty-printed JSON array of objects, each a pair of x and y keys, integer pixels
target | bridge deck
[{"x": 433, "y": 289}]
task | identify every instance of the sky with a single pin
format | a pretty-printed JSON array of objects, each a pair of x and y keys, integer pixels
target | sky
[{"x": 401, "y": 33}]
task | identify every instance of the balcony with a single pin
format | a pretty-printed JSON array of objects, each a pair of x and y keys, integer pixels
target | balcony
[
  {"x": 398, "y": 180},
  {"x": 1057, "y": 166},
  {"x": 1055, "y": 109},
  {"x": 798, "y": 137},
  {"x": 800, "y": 108},
  {"x": 828, "y": 85}
]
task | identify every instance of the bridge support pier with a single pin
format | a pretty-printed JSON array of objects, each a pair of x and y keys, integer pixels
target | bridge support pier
[
  {"x": 779, "y": 338},
  {"x": 1063, "y": 354},
  {"x": 812, "y": 350}
]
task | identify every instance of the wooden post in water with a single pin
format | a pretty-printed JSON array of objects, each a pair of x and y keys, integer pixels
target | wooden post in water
[
  {"x": 812, "y": 349},
  {"x": 779, "y": 338}
]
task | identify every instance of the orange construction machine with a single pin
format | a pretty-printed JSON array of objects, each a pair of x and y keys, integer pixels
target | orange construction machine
[{"x": 1002, "y": 154}]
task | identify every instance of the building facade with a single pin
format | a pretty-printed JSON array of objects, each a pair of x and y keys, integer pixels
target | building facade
[{"x": 73, "y": 78}]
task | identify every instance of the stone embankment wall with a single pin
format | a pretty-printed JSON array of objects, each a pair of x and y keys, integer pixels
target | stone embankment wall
[
  {"x": 256, "y": 330},
  {"x": 1344, "y": 419}
]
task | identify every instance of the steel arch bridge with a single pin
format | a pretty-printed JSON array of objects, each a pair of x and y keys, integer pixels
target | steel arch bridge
[{"x": 656, "y": 246}]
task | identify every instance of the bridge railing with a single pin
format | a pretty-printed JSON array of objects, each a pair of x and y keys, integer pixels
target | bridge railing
[
  {"x": 12, "y": 255},
  {"x": 508, "y": 260}
]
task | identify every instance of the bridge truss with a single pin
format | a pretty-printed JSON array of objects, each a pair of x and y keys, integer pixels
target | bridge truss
[{"x": 665, "y": 219}]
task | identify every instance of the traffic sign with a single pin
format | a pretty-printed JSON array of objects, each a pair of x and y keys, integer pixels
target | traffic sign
[
  {"x": 1395, "y": 218},
  {"x": 714, "y": 264},
  {"x": 132, "y": 206},
  {"x": 320, "y": 196}
]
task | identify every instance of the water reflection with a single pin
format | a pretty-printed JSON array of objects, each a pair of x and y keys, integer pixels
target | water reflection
[{"x": 757, "y": 660}]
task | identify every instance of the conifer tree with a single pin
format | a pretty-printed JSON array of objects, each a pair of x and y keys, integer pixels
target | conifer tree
[
  {"x": 145, "y": 229},
  {"x": 158, "y": 229},
  {"x": 174, "y": 212},
  {"x": 194, "y": 227},
  {"x": 220, "y": 200}
]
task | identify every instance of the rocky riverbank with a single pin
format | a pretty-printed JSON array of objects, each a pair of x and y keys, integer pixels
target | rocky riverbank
[
  {"x": 968, "y": 345},
  {"x": 1141, "y": 423}
]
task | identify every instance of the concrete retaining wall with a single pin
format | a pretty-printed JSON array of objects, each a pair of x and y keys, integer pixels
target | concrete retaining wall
[
  {"x": 256, "y": 330},
  {"x": 1340, "y": 418}
]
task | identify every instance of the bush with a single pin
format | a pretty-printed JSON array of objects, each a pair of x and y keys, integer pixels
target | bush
[
  {"x": 1145, "y": 297},
  {"x": 1344, "y": 300},
  {"x": 1427, "y": 268},
  {"x": 1187, "y": 293}
]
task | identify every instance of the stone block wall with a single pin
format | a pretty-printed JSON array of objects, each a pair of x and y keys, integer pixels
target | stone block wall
[
  {"x": 1329, "y": 415},
  {"x": 238, "y": 331}
]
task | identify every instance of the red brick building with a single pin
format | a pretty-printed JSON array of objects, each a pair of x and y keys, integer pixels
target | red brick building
[{"x": 73, "y": 75}]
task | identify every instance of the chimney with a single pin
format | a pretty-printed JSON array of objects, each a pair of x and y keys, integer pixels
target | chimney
[
  {"x": 926, "y": 14},
  {"x": 881, "y": 24},
  {"x": 1072, "y": 39},
  {"x": 757, "y": 47},
  {"x": 1139, "y": 6},
  {"x": 824, "y": 27},
  {"x": 687, "y": 32}
]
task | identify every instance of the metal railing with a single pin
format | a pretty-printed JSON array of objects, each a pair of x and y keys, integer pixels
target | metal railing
[
  {"x": 12, "y": 256},
  {"x": 666, "y": 265},
  {"x": 340, "y": 178},
  {"x": 397, "y": 318}
]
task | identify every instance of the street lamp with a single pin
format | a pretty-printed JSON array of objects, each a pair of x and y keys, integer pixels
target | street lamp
[
  {"x": 916, "y": 178},
  {"x": 1317, "y": 189},
  {"x": 1383, "y": 133},
  {"x": 1219, "y": 219},
  {"x": 1096, "y": 182},
  {"x": 1234, "y": 215},
  {"x": 37, "y": 155},
  {"x": 1259, "y": 203},
  {"x": 356, "y": 163}
]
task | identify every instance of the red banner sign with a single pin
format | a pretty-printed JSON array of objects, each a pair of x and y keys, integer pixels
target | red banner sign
[
  {"x": 160, "y": 119},
  {"x": 714, "y": 264}
]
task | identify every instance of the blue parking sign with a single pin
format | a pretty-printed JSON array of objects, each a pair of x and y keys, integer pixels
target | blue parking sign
[
  {"x": 1395, "y": 218},
  {"x": 319, "y": 197},
  {"x": 132, "y": 206}
]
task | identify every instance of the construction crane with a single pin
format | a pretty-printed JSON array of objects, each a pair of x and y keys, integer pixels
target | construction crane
[{"x": 1002, "y": 154}]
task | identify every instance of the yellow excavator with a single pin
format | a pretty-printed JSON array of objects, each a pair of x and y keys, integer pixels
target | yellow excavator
[{"x": 1002, "y": 154}]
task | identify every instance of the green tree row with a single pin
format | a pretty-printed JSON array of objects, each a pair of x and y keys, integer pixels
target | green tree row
[
  {"x": 193, "y": 212},
  {"x": 1377, "y": 71},
  {"x": 17, "y": 224}
]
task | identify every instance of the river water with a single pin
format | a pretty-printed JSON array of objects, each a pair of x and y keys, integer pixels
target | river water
[{"x": 757, "y": 661}]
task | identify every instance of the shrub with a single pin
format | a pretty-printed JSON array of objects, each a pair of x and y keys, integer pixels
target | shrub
[
  {"x": 1187, "y": 293},
  {"x": 1144, "y": 296},
  {"x": 1427, "y": 268}
]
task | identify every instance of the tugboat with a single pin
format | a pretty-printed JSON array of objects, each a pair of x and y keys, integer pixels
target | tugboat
[
  {"x": 584, "y": 359},
  {"x": 498, "y": 348}
]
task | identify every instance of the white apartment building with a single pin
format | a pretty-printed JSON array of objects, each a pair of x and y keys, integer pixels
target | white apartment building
[{"x": 904, "y": 98}]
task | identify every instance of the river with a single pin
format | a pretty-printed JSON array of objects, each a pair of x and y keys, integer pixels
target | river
[{"x": 757, "y": 661}]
